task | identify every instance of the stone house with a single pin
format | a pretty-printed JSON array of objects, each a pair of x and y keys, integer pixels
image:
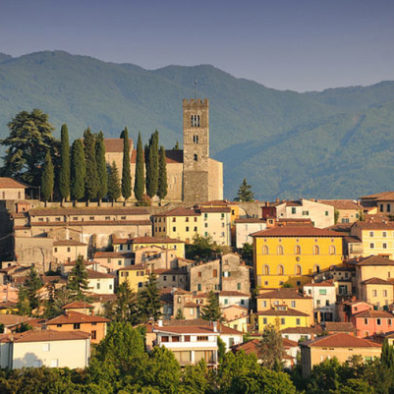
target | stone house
[{"x": 11, "y": 189}]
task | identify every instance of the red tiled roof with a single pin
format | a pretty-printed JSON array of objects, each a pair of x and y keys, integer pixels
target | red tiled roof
[
  {"x": 145, "y": 222},
  {"x": 283, "y": 293},
  {"x": 180, "y": 212},
  {"x": 98, "y": 275},
  {"x": 99, "y": 255},
  {"x": 339, "y": 326},
  {"x": 76, "y": 317},
  {"x": 250, "y": 220},
  {"x": 296, "y": 231},
  {"x": 87, "y": 211},
  {"x": 215, "y": 209},
  {"x": 373, "y": 313},
  {"x": 287, "y": 312},
  {"x": 302, "y": 330},
  {"x": 9, "y": 183},
  {"x": 342, "y": 204},
  {"x": 374, "y": 225},
  {"x": 376, "y": 281},
  {"x": 44, "y": 335},
  {"x": 172, "y": 156},
  {"x": 326, "y": 283},
  {"x": 10, "y": 320},
  {"x": 133, "y": 267},
  {"x": 341, "y": 340},
  {"x": 115, "y": 144},
  {"x": 373, "y": 260},
  {"x": 196, "y": 327},
  {"x": 155, "y": 240},
  {"x": 68, "y": 242},
  {"x": 389, "y": 195}
]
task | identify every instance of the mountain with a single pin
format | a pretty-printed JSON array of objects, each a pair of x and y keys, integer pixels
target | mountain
[{"x": 334, "y": 143}]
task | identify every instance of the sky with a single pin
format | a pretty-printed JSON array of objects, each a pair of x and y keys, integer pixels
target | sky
[{"x": 284, "y": 44}]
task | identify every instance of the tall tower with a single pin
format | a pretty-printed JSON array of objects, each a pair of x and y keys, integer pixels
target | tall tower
[{"x": 195, "y": 150}]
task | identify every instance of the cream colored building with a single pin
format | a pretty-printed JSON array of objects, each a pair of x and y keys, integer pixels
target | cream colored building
[
  {"x": 321, "y": 215},
  {"x": 114, "y": 260},
  {"x": 245, "y": 227},
  {"x": 11, "y": 189},
  {"x": 101, "y": 283},
  {"x": 47, "y": 348},
  {"x": 69, "y": 250}
]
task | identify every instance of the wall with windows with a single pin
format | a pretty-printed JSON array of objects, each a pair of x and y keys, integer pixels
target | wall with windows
[
  {"x": 378, "y": 242},
  {"x": 324, "y": 299},
  {"x": 282, "y": 321}
]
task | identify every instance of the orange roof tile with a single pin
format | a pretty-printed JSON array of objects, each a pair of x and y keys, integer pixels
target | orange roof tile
[
  {"x": 76, "y": 317},
  {"x": 87, "y": 211},
  {"x": 283, "y": 293},
  {"x": 68, "y": 242},
  {"x": 373, "y": 313},
  {"x": 342, "y": 204},
  {"x": 296, "y": 231},
  {"x": 115, "y": 144},
  {"x": 340, "y": 340},
  {"x": 98, "y": 275},
  {"x": 278, "y": 312},
  {"x": 389, "y": 195},
  {"x": 180, "y": 212},
  {"x": 78, "y": 305},
  {"x": 9, "y": 183},
  {"x": 44, "y": 335},
  {"x": 373, "y": 260},
  {"x": 376, "y": 281},
  {"x": 339, "y": 326}
]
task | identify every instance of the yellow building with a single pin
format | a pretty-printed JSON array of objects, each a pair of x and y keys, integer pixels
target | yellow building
[
  {"x": 376, "y": 238},
  {"x": 135, "y": 275},
  {"x": 268, "y": 299},
  {"x": 281, "y": 317},
  {"x": 124, "y": 245},
  {"x": 289, "y": 254}
]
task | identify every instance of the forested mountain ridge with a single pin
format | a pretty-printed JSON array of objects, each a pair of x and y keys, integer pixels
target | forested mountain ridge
[{"x": 335, "y": 143}]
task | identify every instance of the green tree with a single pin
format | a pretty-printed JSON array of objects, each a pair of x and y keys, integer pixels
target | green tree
[
  {"x": 244, "y": 192},
  {"x": 23, "y": 304},
  {"x": 211, "y": 311},
  {"x": 101, "y": 167},
  {"x": 196, "y": 379},
  {"x": 78, "y": 278},
  {"x": 325, "y": 377},
  {"x": 152, "y": 170},
  {"x": 221, "y": 349},
  {"x": 162, "y": 187},
  {"x": 27, "y": 144},
  {"x": 336, "y": 215},
  {"x": 91, "y": 179},
  {"x": 139, "y": 171},
  {"x": 271, "y": 350},
  {"x": 113, "y": 182},
  {"x": 47, "y": 178},
  {"x": 78, "y": 170},
  {"x": 65, "y": 167},
  {"x": 176, "y": 147},
  {"x": 126, "y": 177},
  {"x": 179, "y": 315},
  {"x": 202, "y": 248},
  {"x": 387, "y": 356},
  {"x": 32, "y": 284},
  {"x": 149, "y": 300},
  {"x": 247, "y": 252},
  {"x": 124, "y": 307}
]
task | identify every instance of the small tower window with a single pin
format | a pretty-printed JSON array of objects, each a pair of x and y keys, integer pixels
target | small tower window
[
  {"x": 195, "y": 139},
  {"x": 195, "y": 120},
  {"x": 195, "y": 156}
]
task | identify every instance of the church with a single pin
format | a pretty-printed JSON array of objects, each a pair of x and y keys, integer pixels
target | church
[{"x": 192, "y": 176}]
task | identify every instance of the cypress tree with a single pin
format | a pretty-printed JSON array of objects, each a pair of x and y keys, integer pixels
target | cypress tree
[
  {"x": 32, "y": 284},
  {"x": 48, "y": 178},
  {"x": 162, "y": 188},
  {"x": 78, "y": 170},
  {"x": 113, "y": 182},
  {"x": 78, "y": 277},
  {"x": 91, "y": 179},
  {"x": 64, "y": 176},
  {"x": 126, "y": 178},
  {"x": 152, "y": 172},
  {"x": 101, "y": 166},
  {"x": 139, "y": 171}
]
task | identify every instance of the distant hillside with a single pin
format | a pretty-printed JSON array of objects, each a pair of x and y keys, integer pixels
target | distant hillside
[{"x": 335, "y": 143}]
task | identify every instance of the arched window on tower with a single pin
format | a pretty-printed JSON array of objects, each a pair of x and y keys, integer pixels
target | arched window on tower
[
  {"x": 195, "y": 120},
  {"x": 316, "y": 250},
  {"x": 280, "y": 250},
  {"x": 281, "y": 270},
  {"x": 298, "y": 270},
  {"x": 265, "y": 249},
  {"x": 266, "y": 270},
  {"x": 195, "y": 139},
  {"x": 332, "y": 249},
  {"x": 297, "y": 249},
  {"x": 195, "y": 157}
]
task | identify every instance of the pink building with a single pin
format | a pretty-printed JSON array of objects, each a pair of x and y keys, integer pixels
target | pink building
[{"x": 372, "y": 322}]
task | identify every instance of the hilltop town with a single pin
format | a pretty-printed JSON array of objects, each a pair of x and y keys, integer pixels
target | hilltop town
[{"x": 111, "y": 235}]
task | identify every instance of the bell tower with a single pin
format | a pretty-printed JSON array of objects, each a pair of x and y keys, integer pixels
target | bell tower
[{"x": 195, "y": 150}]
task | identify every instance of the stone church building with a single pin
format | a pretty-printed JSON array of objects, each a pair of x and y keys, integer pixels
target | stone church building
[{"x": 192, "y": 176}]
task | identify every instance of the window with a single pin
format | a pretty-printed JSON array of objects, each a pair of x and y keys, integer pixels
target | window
[
  {"x": 195, "y": 229},
  {"x": 199, "y": 287},
  {"x": 323, "y": 291},
  {"x": 46, "y": 347},
  {"x": 165, "y": 338},
  {"x": 298, "y": 270},
  {"x": 205, "y": 225},
  {"x": 91, "y": 218},
  {"x": 107, "y": 218},
  {"x": 76, "y": 326},
  {"x": 297, "y": 249},
  {"x": 384, "y": 246},
  {"x": 175, "y": 338},
  {"x": 293, "y": 210},
  {"x": 174, "y": 229},
  {"x": 378, "y": 322},
  {"x": 225, "y": 301},
  {"x": 316, "y": 268},
  {"x": 94, "y": 334},
  {"x": 54, "y": 363},
  {"x": 318, "y": 302},
  {"x": 174, "y": 219},
  {"x": 265, "y": 249},
  {"x": 187, "y": 228},
  {"x": 55, "y": 250},
  {"x": 280, "y": 250},
  {"x": 195, "y": 139},
  {"x": 374, "y": 293},
  {"x": 59, "y": 325},
  {"x": 316, "y": 250},
  {"x": 332, "y": 250},
  {"x": 187, "y": 218},
  {"x": 293, "y": 304},
  {"x": 266, "y": 270},
  {"x": 381, "y": 207},
  {"x": 264, "y": 320},
  {"x": 202, "y": 338},
  {"x": 195, "y": 157},
  {"x": 371, "y": 233},
  {"x": 98, "y": 286},
  {"x": 305, "y": 213},
  {"x": 283, "y": 321},
  {"x": 388, "y": 207},
  {"x": 186, "y": 338},
  {"x": 140, "y": 284},
  {"x": 384, "y": 293},
  {"x": 371, "y": 245},
  {"x": 384, "y": 234},
  {"x": 281, "y": 270},
  {"x": 327, "y": 303},
  {"x": 264, "y": 304},
  {"x": 199, "y": 274},
  {"x": 165, "y": 278},
  {"x": 326, "y": 213},
  {"x": 239, "y": 286},
  {"x": 389, "y": 322},
  {"x": 298, "y": 322},
  {"x": 195, "y": 121},
  {"x": 68, "y": 249}
]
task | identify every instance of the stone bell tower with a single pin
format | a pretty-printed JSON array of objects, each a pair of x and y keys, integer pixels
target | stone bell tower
[{"x": 195, "y": 150}]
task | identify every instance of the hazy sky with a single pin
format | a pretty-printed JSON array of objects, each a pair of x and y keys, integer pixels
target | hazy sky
[{"x": 284, "y": 44}]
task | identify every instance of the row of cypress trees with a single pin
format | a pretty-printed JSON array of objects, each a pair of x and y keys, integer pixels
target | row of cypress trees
[{"x": 84, "y": 173}]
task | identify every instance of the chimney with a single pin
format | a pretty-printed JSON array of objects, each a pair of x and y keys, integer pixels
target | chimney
[
  {"x": 267, "y": 203},
  {"x": 160, "y": 323},
  {"x": 215, "y": 326}
]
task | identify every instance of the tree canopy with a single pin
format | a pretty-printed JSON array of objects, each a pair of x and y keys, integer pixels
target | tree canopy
[{"x": 245, "y": 193}]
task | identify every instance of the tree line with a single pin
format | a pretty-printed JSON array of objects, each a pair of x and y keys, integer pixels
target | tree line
[{"x": 79, "y": 172}]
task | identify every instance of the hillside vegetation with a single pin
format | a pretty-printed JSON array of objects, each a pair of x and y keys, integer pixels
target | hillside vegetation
[{"x": 335, "y": 143}]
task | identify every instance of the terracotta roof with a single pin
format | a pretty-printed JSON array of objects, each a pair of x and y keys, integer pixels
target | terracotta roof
[
  {"x": 302, "y": 330},
  {"x": 374, "y": 225},
  {"x": 225, "y": 293},
  {"x": 286, "y": 312},
  {"x": 326, "y": 283},
  {"x": 44, "y": 336},
  {"x": 154, "y": 240},
  {"x": 249, "y": 347},
  {"x": 11, "y": 320},
  {"x": 115, "y": 144},
  {"x": 196, "y": 327},
  {"x": 341, "y": 227},
  {"x": 373, "y": 260},
  {"x": 215, "y": 209},
  {"x": 342, "y": 204},
  {"x": 68, "y": 242},
  {"x": 389, "y": 195},
  {"x": 76, "y": 317},
  {"x": 9, "y": 183},
  {"x": 250, "y": 220},
  {"x": 340, "y": 340},
  {"x": 376, "y": 281},
  {"x": 133, "y": 267},
  {"x": 87, "y": 211},
  {"x": 283, "y": 293},
  {"x": 142, "y": 222},
  {"x": 172, "y": 156},
  {"x": 99, "y": 255},
  {"x": 287, "y": 343},
  {"x": 98, "y": 275},
  {"x": 78, "y": 305},
  {"x": 296, "y": 231},
  {"x": 180, "y": 212},
  {"x": 373, "y": 313},
  {"x": 339, "y": 326}
]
